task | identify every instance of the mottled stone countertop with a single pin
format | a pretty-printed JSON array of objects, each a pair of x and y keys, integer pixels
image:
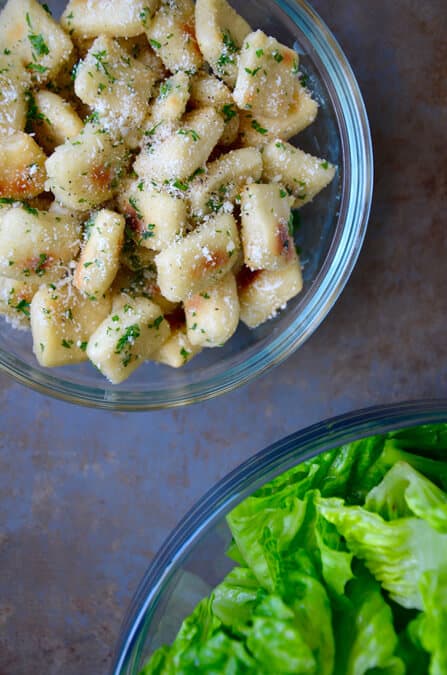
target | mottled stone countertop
[{"x": 86, "y": 497}]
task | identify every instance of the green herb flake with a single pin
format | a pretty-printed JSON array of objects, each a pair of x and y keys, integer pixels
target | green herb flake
[
  {"x": 149, "y": 232},
  {"x": 144, "y": 15},
  {"x": 68, "y": 344},
  {"x": 257, "y": 127},
  {"x": 102, "y": 65},
  {"x": 229, "y": 112},
  {"x": 36, "y": 67},
  {"x": 134, "y": 205},
  {"x": 259, "y": 53},
  {"x": 189, "y": 132},
  {"x": 278, "y": 57},
  {"x": 165, "y": 89},
  {"x": 38, "y": 44},
  {"x": 185, "y": 354},
  {"x": 156, "y": 323},
  {"x": 131, "y": 334},
  {"x": 40, "y": 267},
  {"x": 180, "y": 186},
  {"x": 253, "y": 72},
  {"x": 155, "y": 44},
  {"x": 324, "y": 165},
  {"x": 23, "y": 306},
  {"x": 294, "y": 222},
  {"x": 83, "y": 346}
]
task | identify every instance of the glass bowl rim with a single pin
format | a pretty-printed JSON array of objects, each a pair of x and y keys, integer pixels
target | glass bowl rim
[
  {"x": 336, "y": 269},
  {"x": 243, "y": 481}
]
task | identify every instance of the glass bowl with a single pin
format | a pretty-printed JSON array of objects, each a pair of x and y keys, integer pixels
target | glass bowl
[
  {"x": 331, "y": 235},
  {"x": 193, "y": 560}
]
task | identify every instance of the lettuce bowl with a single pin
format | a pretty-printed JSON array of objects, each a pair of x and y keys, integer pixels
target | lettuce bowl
[{"x": 196, "y": 557}]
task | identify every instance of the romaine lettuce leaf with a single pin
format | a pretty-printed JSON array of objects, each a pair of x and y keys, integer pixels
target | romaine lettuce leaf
[
  {"x": 433, "y": 623},
  {"x": 278, "y": 517},
  {"x": 397, "y": 553},
  {"x": 220, "y": 654},
  {"x": 406, "y": 492},
  {"x": 393, "y": 453},
  {"x": 366, "y": 640},
  {"x": 268, "y": 529},
  {"x": 276, "y": 641},
  {"x": 234, "y": 600},
  {"x": 426, "y": 439}
]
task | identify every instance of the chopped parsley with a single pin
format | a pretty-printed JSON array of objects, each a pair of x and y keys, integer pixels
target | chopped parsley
[
  {"x": 23, "y": 306},
  {"x": 102, "y": 65},
  {"x": 324, "y": 165},
  {"x": 126, "y": 341},
  {"x": 185, "y": 354},
  {"x": 253, "y": 72},
  {"x": 36, "y": 67},
  {"x": 33, "y": 114},
  {"x": 155, "y": 44},
  {"x": 149, "y": 232},
  {"x": 40, "y": 267},
  {"x": 257, "y": 127},
  {"x": 83, "y": 346},
  {"x": 30, "y": 209},
  {"x": 38, "y": 44},
  {"x": 134, "y": 205},
  {"x": 278, "y": 57},
  {"x": 294, "y": 222},
  {"x": 227, "y": 54},
  {"x": 165, "y": 89},
  {"x": 156, "y": 323},
  {"x": 189, "y": 132},
  {"x": 179, "y": 185},
  {"x": 214, "y": 204},
  {"x": 197, "y": 172},
  {"x": 68, "y": 344},
  {"x": 229, "y": 43},
  {"x": 259, "y": 53},
  {"x": 144, "y": 15},
  {"x": 229, "y": 112}
]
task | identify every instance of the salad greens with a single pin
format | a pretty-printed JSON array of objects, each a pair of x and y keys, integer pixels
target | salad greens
[{"x": 341, "y": 569}]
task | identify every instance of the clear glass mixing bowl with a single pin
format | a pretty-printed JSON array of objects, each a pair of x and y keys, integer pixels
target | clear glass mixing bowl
[
  {"x": 193, "y": 560},
  {"x": 331, "y": 235}
]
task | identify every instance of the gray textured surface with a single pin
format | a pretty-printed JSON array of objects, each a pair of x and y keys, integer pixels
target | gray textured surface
[{"x": 86, "y": 498}]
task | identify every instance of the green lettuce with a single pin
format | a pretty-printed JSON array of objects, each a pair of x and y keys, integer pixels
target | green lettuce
[
  {"x": 406, "y": 492},
  {"x": 432, "y": 628},
  {"x": 340, "y": 570},
  {"x": 397, "y": 553},
  {"x": 364, "y": 631}
]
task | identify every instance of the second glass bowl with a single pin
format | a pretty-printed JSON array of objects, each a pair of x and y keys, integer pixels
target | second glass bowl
[{"x": 193, "y": 559}]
